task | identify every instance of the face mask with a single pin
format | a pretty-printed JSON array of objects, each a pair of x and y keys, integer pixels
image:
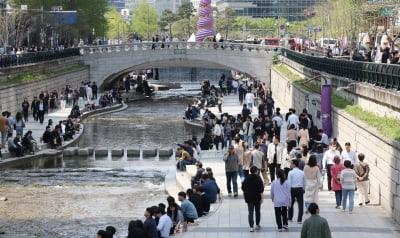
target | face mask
[{"x": 333, "y": 148}]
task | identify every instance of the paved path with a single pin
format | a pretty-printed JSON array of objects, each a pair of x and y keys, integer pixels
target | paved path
[{"x": 230, "y": 220}]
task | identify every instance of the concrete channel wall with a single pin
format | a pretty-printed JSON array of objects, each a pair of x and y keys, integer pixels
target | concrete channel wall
[
  {"x": 382, "y": 154},
  {"x": 12, "y": 96}
]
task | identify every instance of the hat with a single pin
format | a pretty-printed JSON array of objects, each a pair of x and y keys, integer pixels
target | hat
[{"x": 231, "y": 147}]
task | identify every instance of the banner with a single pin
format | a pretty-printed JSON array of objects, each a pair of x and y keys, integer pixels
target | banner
[{"x": 326, "y": 109}]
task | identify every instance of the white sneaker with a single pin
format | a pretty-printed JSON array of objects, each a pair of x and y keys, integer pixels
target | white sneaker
[{"x": 251, "y": 229}]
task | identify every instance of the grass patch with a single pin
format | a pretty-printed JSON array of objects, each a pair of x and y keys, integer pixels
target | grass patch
[
  {"x": 25, "y": 78},
  {"x": 388, "y": 127}
]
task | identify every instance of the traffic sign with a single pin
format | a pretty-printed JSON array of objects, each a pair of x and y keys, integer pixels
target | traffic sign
[
  {"x": 309, "y": 27},
  {"x": 387, "y": 12},
  {"x": 281, "y": 27}
]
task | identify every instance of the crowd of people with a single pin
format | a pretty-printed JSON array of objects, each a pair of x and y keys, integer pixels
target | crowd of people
[{"x": 255, "y": 150}]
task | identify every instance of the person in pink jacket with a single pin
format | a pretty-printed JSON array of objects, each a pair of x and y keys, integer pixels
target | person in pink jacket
[{"x": 336, "y": 186}]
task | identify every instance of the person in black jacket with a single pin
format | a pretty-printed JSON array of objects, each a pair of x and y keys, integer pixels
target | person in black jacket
[
  {"x": 253, "y": 189},
  {"x": 196, "y": 200}
]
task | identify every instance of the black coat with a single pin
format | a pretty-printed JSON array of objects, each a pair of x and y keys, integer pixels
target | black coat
[{"x": 252, "y": 187}]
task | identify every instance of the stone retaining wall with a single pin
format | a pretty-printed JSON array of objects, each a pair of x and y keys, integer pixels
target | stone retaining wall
[
  {"x": 382, "y": 154},
  {"x": 12, "y": 96}
]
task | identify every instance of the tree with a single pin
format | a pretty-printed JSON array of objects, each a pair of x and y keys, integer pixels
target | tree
[
  {"x": 186, "y": 11},
  {"x": 6, "y": 28},
  {"x": 115, "y": 24},
  {"x": 145, "y": 20},
  {"x": 225, "y": 20},
  {"x": 167, "y": 19}
]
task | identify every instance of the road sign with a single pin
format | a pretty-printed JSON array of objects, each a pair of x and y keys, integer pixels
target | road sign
[
  {"x": 309, "y": 27},
  {"x": 387, "y": 12},
  {"x": 281, "y": 27}
]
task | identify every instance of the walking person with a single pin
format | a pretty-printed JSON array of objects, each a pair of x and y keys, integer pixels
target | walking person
[
  {"x": 280, "y": 195},
  {"x": 231, "y": 170},
  {"x": 4, "y": 126},
  {"x": 19, "y": 123},
  {"x": 312, "y": 177},
  {"x": 327, "y": 162},
  {"x": 336, "y": 186},
  {"x": 315, "y": 226},
  {"x": 34, "y": 107},
  {"x": 362, "y": 172},
  {"x": 275, "y": 158},
  {"x": 218, "y": 134},
  {"x": 253, "y": 190},
  {"x": 220, "y": 100},
  {"x": 40, "y": 111},
  {"x": 249, "y": 99},
  {"x": 25, "y": 109},
  {"x": 228, "y": 129},
  {"x": 296, "y": 181},
  {"x": 348, "y": 180}
]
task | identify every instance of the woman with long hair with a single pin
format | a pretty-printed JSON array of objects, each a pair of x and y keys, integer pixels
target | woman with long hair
[
  {"x": 176, "y": 215},
  {"x": 280, "y": 195},
  {"x": 246, "y": 159},
  {"x": 19, "y": 124},
  {"x": 304, "y": 137},
  {"x": 336, "y": 186},
  {"x": 312, "y": 176}
]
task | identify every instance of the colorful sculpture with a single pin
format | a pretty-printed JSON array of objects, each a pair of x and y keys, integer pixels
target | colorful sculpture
[{"x": 205, "y": 24}]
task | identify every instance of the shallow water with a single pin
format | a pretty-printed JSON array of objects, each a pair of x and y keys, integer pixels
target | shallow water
[{"x": 75, "y": 197}]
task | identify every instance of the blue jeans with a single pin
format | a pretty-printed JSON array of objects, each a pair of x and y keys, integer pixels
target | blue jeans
[
  {"x": 338, "y": 196},
  {"x": 227, "y": 138},
  {"x": 231, "y": 177},
  {"x": 346, "y": 192},
  {"x": 251, "y": 207},
  {"x": 249, "y": 140},
  {"x": 241, "y": 173}
]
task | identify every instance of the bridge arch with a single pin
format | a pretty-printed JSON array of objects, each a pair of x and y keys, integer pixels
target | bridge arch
[{"x": 108, "y": 62}]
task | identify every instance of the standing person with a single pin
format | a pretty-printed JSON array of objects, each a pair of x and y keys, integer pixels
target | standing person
[
  {"x": 304, "y": 138},
  {"x": 149, "y": 224},
  {"x": 258, "y": 160},
  {"x": 34, "y": 104},
  {"x": 231, "y": 170},
  {"x": 220, "y": 100},
  {"x": 40, "y": 108},
  {"x": 11, "y": 122},
  {"x": 336, "y": 186},
  {"x": 275, "y": 158},
  {"x": 248, "y": 131},
  {"x": 242, "y": 92},
  {"x": 249, "y": 99},
  {"x": 19, "y": 123},
  {"x": 238, "y": 144},
  {"x": 288, "y": 155},
  {"x": 246, "y": 159},
  {"x": 4, "y": 126},
  {"x": 94, "y": 90},
  {"x": 349, "y": 154},
  {"x": 280, "y": 195},
  {"x": 362, "y": 172},
  {"x": 218, "y": 134},
  {"x": 253, "y": 190},
  {"x": 327, "y": 162},
  {"x": 228, "y": 129},
  {"x": 312, "y": 176},
  {"x": 164, "y": 223},
  {"x": 348, "y": 180},
  {"x": 25, "y": 109},
  {"x": 296, "y": 181},
  {"x": 315, "y": 226}
]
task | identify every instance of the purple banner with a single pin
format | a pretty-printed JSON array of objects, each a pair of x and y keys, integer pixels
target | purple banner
[{"x": 326, "y": 109}]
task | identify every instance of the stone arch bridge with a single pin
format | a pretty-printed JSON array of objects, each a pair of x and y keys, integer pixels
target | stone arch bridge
[{"x": 111, "y": 61}]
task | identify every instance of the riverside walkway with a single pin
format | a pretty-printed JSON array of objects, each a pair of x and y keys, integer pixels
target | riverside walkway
[{"x": 230, "y": 218}]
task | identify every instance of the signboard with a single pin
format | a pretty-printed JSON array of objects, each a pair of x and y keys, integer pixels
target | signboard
[
  {"x": 309, "y": 27},
  {"x": 179, "y": 51},
  {"x": 64, "y": 17},
  {"x": 281, "y": 27},
  {"x": 387, "y": 12}
]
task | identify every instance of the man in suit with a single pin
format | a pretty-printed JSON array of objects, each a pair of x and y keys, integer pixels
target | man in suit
[{"x": 274, "y": 155}]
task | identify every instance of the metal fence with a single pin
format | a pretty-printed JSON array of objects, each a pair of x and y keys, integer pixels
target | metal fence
[
  {"x": 36, "y": 57},
  {"x": 383, "y": 75}
]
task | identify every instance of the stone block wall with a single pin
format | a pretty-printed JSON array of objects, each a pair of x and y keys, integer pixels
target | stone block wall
[
  {"x": 382, "y": 154},
  {"x": 12, "y": 96}
]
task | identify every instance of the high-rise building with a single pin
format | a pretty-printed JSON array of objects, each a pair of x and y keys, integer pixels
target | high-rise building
[
  {"x": 292, "y": 10},
  {"x": 159, "y": 5},
  {"x": 118, "y": 4}
]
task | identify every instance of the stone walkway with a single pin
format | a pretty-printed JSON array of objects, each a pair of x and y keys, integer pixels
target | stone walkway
[{"x": 230, "y": 220}]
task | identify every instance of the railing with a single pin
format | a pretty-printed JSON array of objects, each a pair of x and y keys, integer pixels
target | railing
[
  {"x": 383, "y": 75},
  {"x": 179, "y": 47},
  {"x": 36, "y": 57}
]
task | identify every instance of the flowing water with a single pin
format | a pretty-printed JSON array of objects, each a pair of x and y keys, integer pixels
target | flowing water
[{"x": 75, "y": 197}]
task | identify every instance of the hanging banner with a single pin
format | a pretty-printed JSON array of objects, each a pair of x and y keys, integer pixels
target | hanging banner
[{"x": 326, "y": 109}]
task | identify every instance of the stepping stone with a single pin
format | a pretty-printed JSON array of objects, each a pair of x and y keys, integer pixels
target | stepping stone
[
  {"x": 165, "y": 152},
  {"x": 117, "y": 152},
  {"x": 150, "y": 153},
  {"x": 133, "y": 152},
  {"x": 83, "y": 152},
  {"x": 101, "y": 152}
]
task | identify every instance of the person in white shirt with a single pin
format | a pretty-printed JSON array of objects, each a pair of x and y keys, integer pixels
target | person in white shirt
[
  {"x": 297, "y": 184},
  {"x": 293, "y": 119},
  {"x": 327, "y": 162},
  {"x": 164, "y": 224},
  {"x": 275, "y": 158},
  {"x": 324, "y": 140},
  {"x": 218, "y": 134},
  {"x": 349, "y": 154},
  {"x": 249, "y": 100}
]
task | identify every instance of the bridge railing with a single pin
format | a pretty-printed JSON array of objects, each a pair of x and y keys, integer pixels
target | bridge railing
[
  {"x": 36, "y": 57},
  {"x": 383, "y": 75},
  {"x": 178, "y": 47}
]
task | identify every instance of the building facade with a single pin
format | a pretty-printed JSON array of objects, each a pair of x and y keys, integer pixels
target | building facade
[
  {"x": 159, "y": 5},
  {"x": 292, "y": 10}
]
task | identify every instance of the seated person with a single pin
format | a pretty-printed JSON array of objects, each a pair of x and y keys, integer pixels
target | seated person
[
  {"x": 196, "y": 179},
  {"x": 183, "y": 160},
  {"x": 68, "y": 130},
  {"x": 188, "y": 209},
  {"x": 207, "y": 142},
  {"x": 47, "y": 135},
  {"x": 15, "y": 146},
  {"x": 28, "y": 144},
  {"x": 210, "y": 188},
  {"x": 196, "y": 200},
  {"x": 56, "y": 133},
  {"x": 204, "y": 200}
]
